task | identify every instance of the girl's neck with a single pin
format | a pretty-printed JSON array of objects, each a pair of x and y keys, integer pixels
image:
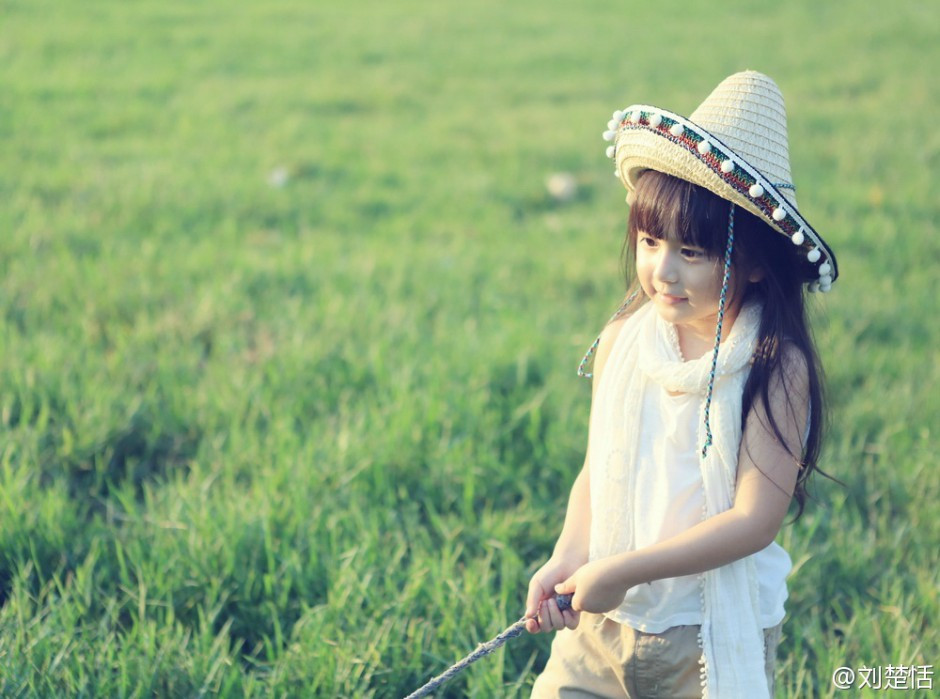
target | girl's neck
[{"x": 697, "y": 340}]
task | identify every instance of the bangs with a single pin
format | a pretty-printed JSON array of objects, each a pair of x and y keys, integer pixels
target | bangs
[{"x": 665, "y": 204}]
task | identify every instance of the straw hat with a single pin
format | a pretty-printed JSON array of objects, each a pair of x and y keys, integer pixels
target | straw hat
[{"x": 735, "y": 145}]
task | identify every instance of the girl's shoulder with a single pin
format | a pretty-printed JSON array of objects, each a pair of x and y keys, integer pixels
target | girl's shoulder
[
  {"x": 793, "y": 367},
  {"x": 606, "y": 343},
  {"x": 786, "y": 386}
]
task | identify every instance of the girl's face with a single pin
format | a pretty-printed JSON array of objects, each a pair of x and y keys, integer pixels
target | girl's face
[{"x": 684, "y": 285}]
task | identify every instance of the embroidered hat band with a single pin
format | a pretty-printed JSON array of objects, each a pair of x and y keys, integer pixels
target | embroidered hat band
[{"x": 735, "y": 145}]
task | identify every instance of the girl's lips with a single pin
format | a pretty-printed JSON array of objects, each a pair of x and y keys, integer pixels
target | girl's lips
[{"x": 671, "y": 300}]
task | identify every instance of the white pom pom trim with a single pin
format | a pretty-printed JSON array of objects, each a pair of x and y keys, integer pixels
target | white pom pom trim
[
  {"x": 798, "y": 237},
  {"x": 825, "y": 280},
  {"x": 610, "y": 151},
  {"x": 727, "y": 166},
  {"x": 779, "y": 214},
  {"x": 824, "y": 269},
  {"x": 617, "y": 116},
  {"x": 609, "y": 135},
  {"x": 656, "y": 120},
  {"x": 813, "y": 288},
  {"x": 612, "y": 124},
  {"x": 676, "y": 130},
  {"x": 813, "y": 255},
  {"x": 704, "y": 147},
  {"x": 756, "y": 191}
]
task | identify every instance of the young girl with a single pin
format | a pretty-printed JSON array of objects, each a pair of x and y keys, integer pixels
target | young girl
[{"x": 706, "y": 415}]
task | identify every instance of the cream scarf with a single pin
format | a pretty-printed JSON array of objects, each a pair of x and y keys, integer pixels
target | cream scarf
[{"x": 647, "y": 349}]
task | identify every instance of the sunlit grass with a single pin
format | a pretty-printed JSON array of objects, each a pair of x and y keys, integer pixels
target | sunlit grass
[{"x": 310, "y": 435}]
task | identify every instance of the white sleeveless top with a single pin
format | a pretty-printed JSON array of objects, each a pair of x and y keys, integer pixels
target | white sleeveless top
[{"x": 670, "y": 499}]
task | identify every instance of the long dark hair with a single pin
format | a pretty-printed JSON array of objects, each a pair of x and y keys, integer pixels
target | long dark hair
[{"x": 698, "y": 217}]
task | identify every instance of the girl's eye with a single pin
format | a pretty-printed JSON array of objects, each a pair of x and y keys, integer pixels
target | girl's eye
[
  {"x": 648, "y": 241},
  {"x": 692, "y": 253}
]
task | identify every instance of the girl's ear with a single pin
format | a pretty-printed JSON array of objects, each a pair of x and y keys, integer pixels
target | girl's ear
[{"x": 756, "y": 274}]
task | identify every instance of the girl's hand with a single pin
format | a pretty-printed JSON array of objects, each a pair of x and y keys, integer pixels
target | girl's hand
[
  {"x": 540, "y": 602},
  {"x": 597, "y": 587}
]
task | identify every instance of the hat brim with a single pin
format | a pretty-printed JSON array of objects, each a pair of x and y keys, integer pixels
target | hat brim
[{"x": 652, "y": 138}]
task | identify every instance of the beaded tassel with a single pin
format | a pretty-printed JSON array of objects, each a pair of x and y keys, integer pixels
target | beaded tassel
[
  {"x": 721, "y": 318},
  {"x": 593, "y": 348}
]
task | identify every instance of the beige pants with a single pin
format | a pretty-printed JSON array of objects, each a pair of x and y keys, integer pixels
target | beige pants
[{"x": 602, "y": 658}]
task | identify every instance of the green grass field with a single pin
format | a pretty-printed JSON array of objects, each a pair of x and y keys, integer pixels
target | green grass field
[{"x": 289, "y": 328}]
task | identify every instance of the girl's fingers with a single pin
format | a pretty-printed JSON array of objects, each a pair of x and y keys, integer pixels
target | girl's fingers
[
  {"x": 536, "y": 594},
  {"x": 545, "y": 623},
  {"x": 550, "y": 618},
  {"x": 571, "y": 618},
  {"x": 532, "y": 601}
]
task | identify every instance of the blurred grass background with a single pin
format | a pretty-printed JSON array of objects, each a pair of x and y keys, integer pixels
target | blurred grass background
[{"x": 289, "y": 326}]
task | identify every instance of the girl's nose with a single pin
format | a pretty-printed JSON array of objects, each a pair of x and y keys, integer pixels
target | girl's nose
[{"x": 665, "y": 270}]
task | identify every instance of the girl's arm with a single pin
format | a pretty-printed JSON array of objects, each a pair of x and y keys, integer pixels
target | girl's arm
[
  {"x": 766, "y": 477},
  {"x": 571, "y": 549},
  {"x": 570, "y": 554}
]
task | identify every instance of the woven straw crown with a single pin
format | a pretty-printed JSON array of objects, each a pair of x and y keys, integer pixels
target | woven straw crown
[
  {"x": 735, "y": 145},
  {"x": 746, "y": 112}
]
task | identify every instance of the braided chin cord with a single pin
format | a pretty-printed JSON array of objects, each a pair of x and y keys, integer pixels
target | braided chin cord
[{"x": 721, "y": 317}]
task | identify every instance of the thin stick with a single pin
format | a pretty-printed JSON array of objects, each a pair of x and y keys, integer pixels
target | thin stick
[{"x": 563, "y": 601}]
